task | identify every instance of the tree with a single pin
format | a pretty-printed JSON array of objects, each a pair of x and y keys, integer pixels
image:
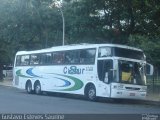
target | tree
[
  {"x": 33, "y": 24},
  {"x": 150, "y": 45}
]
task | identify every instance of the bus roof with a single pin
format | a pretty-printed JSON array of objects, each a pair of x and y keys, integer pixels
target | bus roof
[{"x": 76, "y": 46}]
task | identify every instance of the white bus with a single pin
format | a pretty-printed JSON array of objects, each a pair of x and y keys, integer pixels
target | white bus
[{"x": 94, "y": 70}]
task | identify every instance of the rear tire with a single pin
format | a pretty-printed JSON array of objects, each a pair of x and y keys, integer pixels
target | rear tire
[
  {"x": 91, "y": 93},
  {"x": 37, "y": 88},
  {"x": 29, "y": 87}
]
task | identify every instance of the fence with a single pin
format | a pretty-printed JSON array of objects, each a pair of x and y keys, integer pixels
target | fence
[{"x": 153, "y": 83}]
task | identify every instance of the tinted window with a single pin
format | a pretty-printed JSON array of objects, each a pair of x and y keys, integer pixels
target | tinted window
[
  {"x": 105, "y": 52},
  {"x": 87, "y": 56},
  {"x": 58, "y": 58},
  {"x": 18, "y": 60},
  {"x": 72, "y": 57},
  {"x": 104, "y": 70},
  {"x": 46, "y": 59},
  {"x": 35, "y": 59},
  {"x": 24, "y": 60},
  {"x": 127, "y": 53}
]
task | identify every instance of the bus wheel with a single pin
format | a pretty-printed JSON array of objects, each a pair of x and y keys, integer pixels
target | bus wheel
[
  {"x": 37, "y": 88},
  {"x": 91, "y": 93},
  {"x": 29, "y": 87}
]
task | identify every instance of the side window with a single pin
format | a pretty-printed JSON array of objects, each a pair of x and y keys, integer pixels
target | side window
[
  {"x": 18, "y": 60},
  {"x": 72, "y": 57},
  {"x": 58, "y": 58},
  {"x": 87, "y": 56},
  {"x": 35, "y": 59},
  {"x": 104, "y": 52},
  {"x": 46, "y": 59},
  {"x": 24, "y": 60}
]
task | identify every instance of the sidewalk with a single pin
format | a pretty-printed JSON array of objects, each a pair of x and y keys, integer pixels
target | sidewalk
[
  {"x": 153, "y": 97},
  {"x": 6, "y": 83}
]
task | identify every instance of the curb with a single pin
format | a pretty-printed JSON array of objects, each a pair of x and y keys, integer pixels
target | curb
[
  {"x": 6, "y": 85},
  {"x": 139, "y": 102},
  {"x": 151, "y": 102}
]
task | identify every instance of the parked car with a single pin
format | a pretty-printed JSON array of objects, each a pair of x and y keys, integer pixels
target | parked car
[{"x": 7, "y": 72}]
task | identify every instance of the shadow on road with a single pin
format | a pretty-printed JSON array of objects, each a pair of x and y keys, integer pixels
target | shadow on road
[{"x": 99, "y": 100}]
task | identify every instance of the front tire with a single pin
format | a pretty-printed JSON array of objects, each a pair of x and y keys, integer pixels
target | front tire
[
  {"x": 37, "y": 88},
  {"x": 91, "y": 93}
]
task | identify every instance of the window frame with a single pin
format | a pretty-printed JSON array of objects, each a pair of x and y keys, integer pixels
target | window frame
[
  {"x": 21, "y": 60},
  {"x": 63, "y": 58},
  {"x": 87, "y": 63}
]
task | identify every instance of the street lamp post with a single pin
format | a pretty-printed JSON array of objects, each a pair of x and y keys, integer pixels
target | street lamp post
[
  {"x": 63, "y": 25},
  {"x": 59, "y": 5}
]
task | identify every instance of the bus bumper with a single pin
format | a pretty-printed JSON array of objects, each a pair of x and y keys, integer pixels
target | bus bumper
[{"x": 139, "y": 92}]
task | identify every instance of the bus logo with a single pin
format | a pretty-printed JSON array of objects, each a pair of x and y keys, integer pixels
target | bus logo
[{"x": 73, "y": 70}]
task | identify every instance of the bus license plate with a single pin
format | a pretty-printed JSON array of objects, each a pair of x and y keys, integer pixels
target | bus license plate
[{"x": 132, "y": 94}]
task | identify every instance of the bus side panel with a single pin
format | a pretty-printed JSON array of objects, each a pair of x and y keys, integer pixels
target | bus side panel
[
  {"x": 19, "y": 77},
  {"x": 65, "y": 79},
  {"x": 103, "y": 89}
]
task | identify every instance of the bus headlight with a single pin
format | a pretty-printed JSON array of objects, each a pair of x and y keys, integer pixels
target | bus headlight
[{"x": 118, "y": 86}]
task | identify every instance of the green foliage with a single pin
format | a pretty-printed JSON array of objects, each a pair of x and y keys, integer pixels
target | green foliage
[
  {"x": 150, "y": 45},
  {"x": 36, "y": 24}
]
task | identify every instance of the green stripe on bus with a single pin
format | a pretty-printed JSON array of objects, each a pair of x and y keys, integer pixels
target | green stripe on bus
[
  {"x": 18, "y": 73},
  {"x": 78, "y": 83}
]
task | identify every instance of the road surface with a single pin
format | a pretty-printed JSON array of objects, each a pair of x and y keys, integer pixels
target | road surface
[{"x": 13, "y": 100}]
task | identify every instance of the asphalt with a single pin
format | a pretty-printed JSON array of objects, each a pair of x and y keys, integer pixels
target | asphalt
[{"x": 153, "y": 99}]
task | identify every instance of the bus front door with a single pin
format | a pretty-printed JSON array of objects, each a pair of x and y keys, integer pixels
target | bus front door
[{"x": 105, "y": 75}]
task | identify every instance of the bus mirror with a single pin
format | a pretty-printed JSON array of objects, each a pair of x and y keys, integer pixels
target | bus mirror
[{"x": 149, "y": 69}]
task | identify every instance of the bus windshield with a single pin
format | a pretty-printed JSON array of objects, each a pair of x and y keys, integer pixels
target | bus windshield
[
  {"x": 121, "y": 52},
  {"x": 128, "y": 53},
  {"x": 131, "y": 73}
]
